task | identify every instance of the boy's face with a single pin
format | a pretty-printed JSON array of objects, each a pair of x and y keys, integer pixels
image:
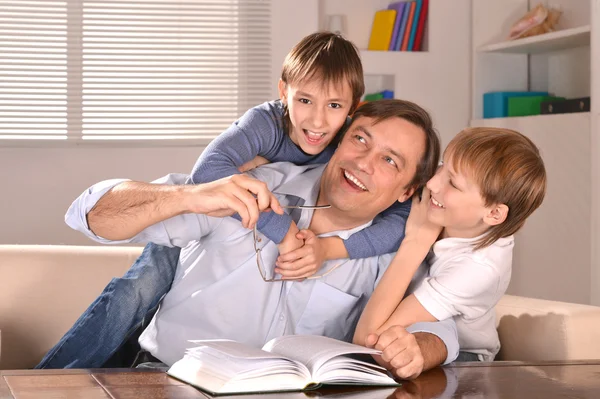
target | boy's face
[
  {"x": 317, "y": 112},
  {"x": 456, "y": 203}
]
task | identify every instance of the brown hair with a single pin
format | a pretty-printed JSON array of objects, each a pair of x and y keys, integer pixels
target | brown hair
[
  {"x": 508, "y": 169},
  {"x": 326, "y": 56},
  {"x": 381, "y": 110}
]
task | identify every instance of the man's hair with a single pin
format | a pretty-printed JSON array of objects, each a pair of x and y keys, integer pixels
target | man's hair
[
  {"x": 381, "y": 110},
  {"x": 508, "y": 169},
  {"x": 328, "y": 57}
]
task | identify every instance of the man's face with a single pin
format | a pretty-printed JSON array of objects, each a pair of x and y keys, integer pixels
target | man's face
[{"x": 372, "y": 166}]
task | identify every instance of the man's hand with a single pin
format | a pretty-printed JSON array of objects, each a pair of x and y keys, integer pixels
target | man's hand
[
  {"x": 418, "y": 226},
  {"x": 238, "y": 193},
  {"x": 401, "y": 352},
  {"x": 255, "y": 163},
  {"x": 304, "y": 261}
]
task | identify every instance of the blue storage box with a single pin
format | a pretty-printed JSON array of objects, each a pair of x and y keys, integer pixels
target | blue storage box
[{"x": 495, "y": 104}]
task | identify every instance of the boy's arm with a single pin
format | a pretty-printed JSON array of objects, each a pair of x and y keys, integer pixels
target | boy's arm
[
  {"x": 391, "y": 289},
  {"x": 255, "y": 134},
  {"x": 383, "y": 236},
  {"x": 389, "y": 292}
]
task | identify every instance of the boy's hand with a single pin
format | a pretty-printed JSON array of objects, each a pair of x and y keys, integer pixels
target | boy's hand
[
  {"x": 401, "y": 352},
  {"x": 418, "y": 226},
  {"x": 255, "y": 163},
  {"x": 304, "y": 261}
]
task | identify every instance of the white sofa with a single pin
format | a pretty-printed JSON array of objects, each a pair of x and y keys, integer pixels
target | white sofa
[{"x": 44, "y": 289}]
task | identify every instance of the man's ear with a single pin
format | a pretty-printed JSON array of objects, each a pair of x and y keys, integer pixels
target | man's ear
[
  {"x": 282, "y": 91},
  {"x": 406, "y": 194},
  {"x": 496, "y": 215}
]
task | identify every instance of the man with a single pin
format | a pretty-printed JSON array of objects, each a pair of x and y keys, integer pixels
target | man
[{"x": 221, "y": 287}]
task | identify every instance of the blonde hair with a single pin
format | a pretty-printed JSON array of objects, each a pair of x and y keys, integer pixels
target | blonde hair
[{"x": 508, "y": 169}]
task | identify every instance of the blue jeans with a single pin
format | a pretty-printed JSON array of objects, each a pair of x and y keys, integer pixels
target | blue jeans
[{"x": 121, "y": 309}]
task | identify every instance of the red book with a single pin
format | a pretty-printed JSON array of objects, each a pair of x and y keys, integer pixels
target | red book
[{"x": 421, "y": 27}]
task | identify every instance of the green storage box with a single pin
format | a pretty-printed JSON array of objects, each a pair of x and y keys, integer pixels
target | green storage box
[
  {"x": 531, "y": 105},
  {"x": 374, "y": 97}
]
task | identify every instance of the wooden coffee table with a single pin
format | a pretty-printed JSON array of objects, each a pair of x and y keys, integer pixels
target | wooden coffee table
[{"x": 484, "y": 380}]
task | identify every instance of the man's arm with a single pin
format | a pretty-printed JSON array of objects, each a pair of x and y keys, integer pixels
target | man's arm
[{"x": 125, "y": 209}]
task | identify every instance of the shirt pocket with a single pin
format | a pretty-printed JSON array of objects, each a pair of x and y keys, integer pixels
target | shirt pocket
[{"x": 329, "y": 312}]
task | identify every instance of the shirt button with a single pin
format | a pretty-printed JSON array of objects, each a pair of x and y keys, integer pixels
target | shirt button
[{"x": 282, "y": 317}]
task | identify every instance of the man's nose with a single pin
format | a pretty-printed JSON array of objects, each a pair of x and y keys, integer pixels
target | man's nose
[{"x": 365, "y": 162}]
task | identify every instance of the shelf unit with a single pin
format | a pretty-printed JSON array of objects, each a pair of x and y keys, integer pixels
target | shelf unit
[
  {"x": 559, "y": 245},
  {"x": 420, "y": 76},
  {"x": 553, "y": 41}
]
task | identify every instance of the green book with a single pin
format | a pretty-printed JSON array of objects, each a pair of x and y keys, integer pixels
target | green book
[{"x": 528, "y": 105}]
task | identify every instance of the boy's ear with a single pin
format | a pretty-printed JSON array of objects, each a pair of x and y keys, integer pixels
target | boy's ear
[
  {"x": 281, "y": 86},
  {"x": 496, "y": 215}
]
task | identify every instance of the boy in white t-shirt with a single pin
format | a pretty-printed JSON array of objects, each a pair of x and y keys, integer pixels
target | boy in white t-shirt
[{"x": 490, "y": 181}]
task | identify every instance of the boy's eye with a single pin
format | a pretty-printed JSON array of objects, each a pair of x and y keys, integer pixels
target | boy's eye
[
  {"x": 304, "y": 100},
  {"x": 335, "y": 105},
  {"x": 390, "y": 161},
  {"x": 453, "y": 185}
]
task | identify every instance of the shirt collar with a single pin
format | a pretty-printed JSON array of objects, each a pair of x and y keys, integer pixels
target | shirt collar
[{"x": 306, "y": 187}]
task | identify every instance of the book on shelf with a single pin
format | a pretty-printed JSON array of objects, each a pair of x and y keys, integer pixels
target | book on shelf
[
  {"x": 402, "y": 30},
  {"x": 382, "y": 30},
  {"x": 399, "y": 6},
  {"x": 421, "y": 26},
  {"x": 287, "y": 363},
  {"x": 413, "y": 28},
  {"x": 409, "y": 22}
]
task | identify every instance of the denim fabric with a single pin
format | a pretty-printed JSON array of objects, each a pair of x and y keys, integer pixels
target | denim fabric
[
  {"x": 467, "y": 357},
  {"x": 117, "y": 313}
]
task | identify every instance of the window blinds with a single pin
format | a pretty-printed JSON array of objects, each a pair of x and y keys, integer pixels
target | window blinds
[{"x": 124, "y": 69}]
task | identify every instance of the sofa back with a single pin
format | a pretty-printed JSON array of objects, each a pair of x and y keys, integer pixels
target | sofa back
[{"x": 45, "y": 288}]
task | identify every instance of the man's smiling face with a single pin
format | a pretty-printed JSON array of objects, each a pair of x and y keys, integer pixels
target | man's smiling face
[{"x": 373, "y": 166}]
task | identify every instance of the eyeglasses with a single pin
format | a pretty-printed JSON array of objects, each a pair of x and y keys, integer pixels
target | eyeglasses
[{"x": 259, "y": 261}]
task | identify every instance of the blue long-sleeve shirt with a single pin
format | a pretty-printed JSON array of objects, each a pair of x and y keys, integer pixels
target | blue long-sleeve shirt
[{"x": 260, "y": 131}]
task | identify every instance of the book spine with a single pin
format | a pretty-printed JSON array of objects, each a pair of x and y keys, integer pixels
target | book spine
[
  {"x": 409, "y": 23},
  {"x": 421, "y": 28},
  {"x": 413, "y": 30}
]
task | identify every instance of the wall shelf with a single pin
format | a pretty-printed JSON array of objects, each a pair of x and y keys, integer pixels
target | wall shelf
[{"x": 548, "y": 42}]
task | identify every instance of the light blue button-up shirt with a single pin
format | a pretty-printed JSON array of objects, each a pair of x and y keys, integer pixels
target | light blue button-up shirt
[{"x": 218, "y": 291}]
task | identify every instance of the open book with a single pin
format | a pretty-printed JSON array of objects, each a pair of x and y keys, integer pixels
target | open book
[{"x": 288, "y": 363}]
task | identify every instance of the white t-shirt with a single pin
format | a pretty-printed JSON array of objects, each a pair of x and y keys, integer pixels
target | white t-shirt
[{"x": 467, "y": 285}]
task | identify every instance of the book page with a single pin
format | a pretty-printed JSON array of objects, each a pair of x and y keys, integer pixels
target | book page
[
  {"x": 225, "y": 366},
  {"x": 313, "y": 350}
]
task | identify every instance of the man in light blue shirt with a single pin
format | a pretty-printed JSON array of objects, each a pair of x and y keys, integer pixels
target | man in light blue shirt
[{"x": 219, "y": 290}]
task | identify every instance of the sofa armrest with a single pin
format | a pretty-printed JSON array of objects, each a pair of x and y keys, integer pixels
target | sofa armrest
[{"x": 537, "y": 329}]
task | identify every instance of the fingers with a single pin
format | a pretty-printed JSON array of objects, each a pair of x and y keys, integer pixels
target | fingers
[
  {"x": 390, "y": 335},
  {"x": 371, "y": 340},
  {"x": 306, "y": 234},
  {"x": 303, "y": 272},
  {"x": 262, "y": 199},
  {"x": 425, "y": 195},
  {"x": 293, "y": 255},
  {"x": 401, "y": 350}
]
